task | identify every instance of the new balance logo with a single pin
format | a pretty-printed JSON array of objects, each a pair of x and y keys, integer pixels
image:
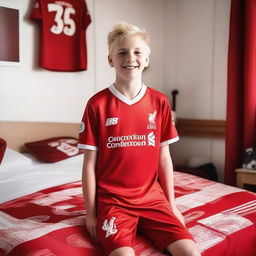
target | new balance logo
[
  {"x": 151, "y": 139},
  {"x": 109, "y": 227},
  {"x": 112, "y": 121}
]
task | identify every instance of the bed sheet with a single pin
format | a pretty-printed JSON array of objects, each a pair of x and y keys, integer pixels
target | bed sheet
[
  {"x": 51, "y": 222},
  {"x": 26, "y": 179}
]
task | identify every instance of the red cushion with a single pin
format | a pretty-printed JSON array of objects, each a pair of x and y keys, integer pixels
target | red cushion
[
  {"x": 54, "y": 149},
  {"x": 2, "y": 149}
]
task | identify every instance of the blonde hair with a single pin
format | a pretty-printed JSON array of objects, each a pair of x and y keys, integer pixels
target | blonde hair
[{"x": 122, "y": 30}]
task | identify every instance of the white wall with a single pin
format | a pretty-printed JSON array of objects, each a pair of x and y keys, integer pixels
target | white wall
[
  {"x": 196, "y": 48},
  {"x": 196, "y": 62}
]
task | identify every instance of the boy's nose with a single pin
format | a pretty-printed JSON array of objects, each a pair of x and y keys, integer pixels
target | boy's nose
[
  {"x": 130, "y": 58},
  {"x": 130, "y": 61}
]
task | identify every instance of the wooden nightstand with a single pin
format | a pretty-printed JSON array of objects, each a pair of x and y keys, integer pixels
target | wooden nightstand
[{"x": 245, "y": 176}]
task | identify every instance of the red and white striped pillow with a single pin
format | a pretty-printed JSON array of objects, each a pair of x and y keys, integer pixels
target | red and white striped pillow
[{"x": 54, "y": 149}]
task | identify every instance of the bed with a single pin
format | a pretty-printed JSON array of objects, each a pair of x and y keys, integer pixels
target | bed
[{"x": 42, "y": 210}]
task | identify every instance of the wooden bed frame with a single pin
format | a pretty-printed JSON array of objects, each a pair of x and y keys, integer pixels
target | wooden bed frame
[
  {"x": 201, "y": 128},
  {"x": 17, "y": 133}
]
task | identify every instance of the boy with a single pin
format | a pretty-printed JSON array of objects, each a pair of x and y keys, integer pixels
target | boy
[{"x": 127, "y": 172}]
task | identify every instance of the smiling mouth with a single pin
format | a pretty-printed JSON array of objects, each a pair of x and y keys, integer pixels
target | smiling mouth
[{"x": 129, "y": 67}]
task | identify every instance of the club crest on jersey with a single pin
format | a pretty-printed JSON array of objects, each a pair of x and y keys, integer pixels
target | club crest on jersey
[
  {"x": 109, "y": 227},
  {"x": 152, "y": 120},
  {"x": 111, "y": 121}
]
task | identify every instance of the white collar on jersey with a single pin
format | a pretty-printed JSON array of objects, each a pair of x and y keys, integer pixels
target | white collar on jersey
[{"x": 126, "y": 100}]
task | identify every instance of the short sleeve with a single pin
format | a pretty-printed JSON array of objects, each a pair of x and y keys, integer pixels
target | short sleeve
[
  {"x": 87, "y": 17},
  {"x": 37, "y": 10},
  {"x": 168, "y": 130},
  {"x": 88, "y": 133}
]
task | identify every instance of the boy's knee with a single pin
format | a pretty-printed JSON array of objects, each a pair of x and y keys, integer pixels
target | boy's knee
[
  {"x": 184, "y": 247},
  {"x": 123, "y": 251}
]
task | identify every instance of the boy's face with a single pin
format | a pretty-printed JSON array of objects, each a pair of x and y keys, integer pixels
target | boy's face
[{"x": 129, "y": 57}]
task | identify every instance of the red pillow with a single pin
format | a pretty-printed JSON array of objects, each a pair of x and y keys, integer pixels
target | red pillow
[
  {"x": 54, "y": 149},
  {"x": 2, "y": 149}
]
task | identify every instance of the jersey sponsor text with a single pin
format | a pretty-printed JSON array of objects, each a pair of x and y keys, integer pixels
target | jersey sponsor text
[{"x": 134, "y": 140}]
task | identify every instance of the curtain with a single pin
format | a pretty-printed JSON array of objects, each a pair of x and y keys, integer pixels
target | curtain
[{"x": 241, "y": 92}]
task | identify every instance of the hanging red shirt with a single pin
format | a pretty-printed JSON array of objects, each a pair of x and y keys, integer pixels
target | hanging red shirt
[{"x": 63, "y": 38}]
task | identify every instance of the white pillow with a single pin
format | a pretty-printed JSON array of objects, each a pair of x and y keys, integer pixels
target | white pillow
[
  {"x": 33, "y": 159},
  {"x": 14, "y": 159}
]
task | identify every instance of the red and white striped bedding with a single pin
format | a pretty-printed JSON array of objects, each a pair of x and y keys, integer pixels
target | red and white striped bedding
[{"x": 51, "y": 222}]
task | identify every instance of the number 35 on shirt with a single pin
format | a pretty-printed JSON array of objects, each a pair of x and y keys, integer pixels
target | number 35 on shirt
[{"x": 63, "y": 25}]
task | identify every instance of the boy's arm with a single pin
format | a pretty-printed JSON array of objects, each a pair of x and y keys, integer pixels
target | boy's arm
[
  {"x": 89, "y": 190},
  {"x": 165, "y": 173}
]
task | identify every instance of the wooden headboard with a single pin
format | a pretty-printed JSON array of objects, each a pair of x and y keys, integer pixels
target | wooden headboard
[
  {"x": 201, "y": 128},
  {"x": 17, "y": 133}
]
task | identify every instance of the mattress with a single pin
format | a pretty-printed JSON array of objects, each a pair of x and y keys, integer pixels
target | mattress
[{"x": 42, "y": 213}]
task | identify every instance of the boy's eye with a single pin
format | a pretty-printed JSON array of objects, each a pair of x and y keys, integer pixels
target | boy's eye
[
  {"x": 138, "y": 52},
  {"x": 122, "y": 53}
]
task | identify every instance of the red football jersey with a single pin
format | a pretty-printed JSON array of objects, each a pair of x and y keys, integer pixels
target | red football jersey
[
  {"x": 128, "y": 135},
  {"x": 63, "y": 26}
]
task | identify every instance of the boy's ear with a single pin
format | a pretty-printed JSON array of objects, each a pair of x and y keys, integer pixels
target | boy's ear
[
  {"x": 110, "y": 61},
  {"x": 146, "y": 62}
]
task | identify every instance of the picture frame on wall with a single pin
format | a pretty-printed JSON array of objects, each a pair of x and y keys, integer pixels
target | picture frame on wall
[{"x": 10, "y": 33}]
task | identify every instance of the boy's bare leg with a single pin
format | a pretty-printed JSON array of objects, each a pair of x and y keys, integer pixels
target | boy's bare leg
[
  {"x": 123, "y": 251},
  {"x": 183, "y": 247}
]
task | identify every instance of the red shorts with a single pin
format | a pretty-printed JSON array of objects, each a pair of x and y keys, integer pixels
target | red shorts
[{"x": 117, "y": 226}]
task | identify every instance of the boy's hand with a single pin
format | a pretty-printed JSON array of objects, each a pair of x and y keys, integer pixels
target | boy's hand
[{"x": 91, "y": 225}]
